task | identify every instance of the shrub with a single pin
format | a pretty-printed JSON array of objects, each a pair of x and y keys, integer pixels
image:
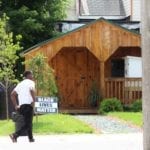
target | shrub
[
  {"x": 127, "y": 108},
  {"x": 94, "y": 95},
  {"x": 111, "y": 104},
  {"x": 137, "y": 106}
]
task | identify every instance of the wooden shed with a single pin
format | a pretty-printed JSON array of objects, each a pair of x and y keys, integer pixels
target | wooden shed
[{"x": 84, "y": 56}]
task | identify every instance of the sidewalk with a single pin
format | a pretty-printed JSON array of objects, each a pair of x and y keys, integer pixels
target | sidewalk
[{"x": 130, "y": 141}]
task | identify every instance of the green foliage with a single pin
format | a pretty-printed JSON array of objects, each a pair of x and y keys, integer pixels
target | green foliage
[
  {"x": 94, "y": 95},
  {"x": 137, "y": 106},
  {"x": 34, "y": 20},
  {"x": 110, "y": 105},
  {"x": 44, "y": 76},
  {"x": 8, "y": 50},
  {"x": 127, "y": 108},
  {"x": 8, "y": 57}
]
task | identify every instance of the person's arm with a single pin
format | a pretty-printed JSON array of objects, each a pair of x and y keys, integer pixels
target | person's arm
[
  {"x": 14, "y": 99},
  {"x": 33, "y": 96}
]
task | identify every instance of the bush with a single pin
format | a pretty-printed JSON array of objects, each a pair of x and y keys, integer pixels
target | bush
[
  {"x": 127, "y": 108},
  {"x": 111, "y": 104},
  {"x": 94, "y": 95},
  {"x": 137, "y": 106}
]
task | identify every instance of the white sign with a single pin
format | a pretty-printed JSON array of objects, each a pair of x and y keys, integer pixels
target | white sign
[{"x": 46, "y": 105}]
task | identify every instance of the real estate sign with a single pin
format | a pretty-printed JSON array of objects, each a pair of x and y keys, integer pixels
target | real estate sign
[{"x": 46, "y": 104}]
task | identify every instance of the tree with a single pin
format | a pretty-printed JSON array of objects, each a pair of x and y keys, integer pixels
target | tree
[
  {"x": 8, "y": 57},
  {"x": 146, "y": 71},
  {"x": 34, "y": 20},
  {"x": 44, "y": 76}
]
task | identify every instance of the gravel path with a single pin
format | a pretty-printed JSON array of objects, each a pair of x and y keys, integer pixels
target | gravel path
[{"x": 105, "y": 124}]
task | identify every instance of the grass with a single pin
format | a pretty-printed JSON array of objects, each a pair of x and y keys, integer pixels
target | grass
[
  {"x": 60, "y": 124},
  {"x": 50, "y": 124},
  {"x": 6, "y": 127},
  {"x": 134, "y": 118}
]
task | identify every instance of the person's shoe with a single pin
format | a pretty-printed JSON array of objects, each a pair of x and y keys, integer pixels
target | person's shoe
[
  {"x": 13, "y": 138},
  {"x": 31, "y": 140}
]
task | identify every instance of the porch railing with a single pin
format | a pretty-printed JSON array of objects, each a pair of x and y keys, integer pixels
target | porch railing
[{"x": 125, "y": 89}]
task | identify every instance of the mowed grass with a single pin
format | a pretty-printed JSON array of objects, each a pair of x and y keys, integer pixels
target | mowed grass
[
  {"x": 50, "y": 124},
  {"x": 134, "y": 118},
  {"x": 6, "y": 127}
]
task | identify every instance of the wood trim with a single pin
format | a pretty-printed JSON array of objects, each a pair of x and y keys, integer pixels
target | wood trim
[{"x": 102, "y": 79}]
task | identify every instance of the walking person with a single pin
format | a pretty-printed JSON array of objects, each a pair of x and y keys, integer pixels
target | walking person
[{"x": 25, "y": 92}]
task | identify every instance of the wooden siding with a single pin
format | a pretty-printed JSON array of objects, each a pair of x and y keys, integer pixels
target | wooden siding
[
  {"x": 80, "y": 57},
  {"x": 75, "y": 70},
  {"x": 100, "y": 38}
]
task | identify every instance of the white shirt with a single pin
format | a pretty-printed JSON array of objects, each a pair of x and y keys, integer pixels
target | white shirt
[{"x": 23, "y": 89}]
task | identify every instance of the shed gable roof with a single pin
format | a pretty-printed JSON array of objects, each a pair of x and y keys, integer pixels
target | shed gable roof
[{"x": 101, "y": 37}]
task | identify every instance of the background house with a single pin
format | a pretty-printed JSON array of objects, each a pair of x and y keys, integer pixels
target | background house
[{"x": 124, "y": 12}]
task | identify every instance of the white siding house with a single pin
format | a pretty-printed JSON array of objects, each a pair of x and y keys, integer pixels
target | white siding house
[
  {"x": 136, "y": 13},
  {"x": 127, "y": 7},
  {"x": 80, "y": 12},
  {"x": 133, "y": 67},
  {"x": 132, "y": 9},
  {"x": 113, "y": 8}
]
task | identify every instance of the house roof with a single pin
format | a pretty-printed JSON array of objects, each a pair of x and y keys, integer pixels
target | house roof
[{"x": 102, "y": 8}]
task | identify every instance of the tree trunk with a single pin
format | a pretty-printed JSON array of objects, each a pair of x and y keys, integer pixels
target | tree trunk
[
  {"x": 6, "y": 98},
  {"x": 146, "y": 71},
  {"x": 5, "y": 87}
]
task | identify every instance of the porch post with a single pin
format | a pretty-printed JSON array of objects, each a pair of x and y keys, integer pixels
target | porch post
[{"x": 102, "y": 79}]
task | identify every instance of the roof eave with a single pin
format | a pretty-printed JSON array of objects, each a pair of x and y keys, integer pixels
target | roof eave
[{"x": 105, "y": 17}]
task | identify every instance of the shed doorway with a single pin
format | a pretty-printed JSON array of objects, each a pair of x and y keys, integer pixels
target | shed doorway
[{"x": 75, "y": 70}]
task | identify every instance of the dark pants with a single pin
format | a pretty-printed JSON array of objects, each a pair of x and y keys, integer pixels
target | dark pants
[{"x": 26, "y": 111}]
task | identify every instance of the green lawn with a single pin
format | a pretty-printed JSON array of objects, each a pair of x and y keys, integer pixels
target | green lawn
[
  {"x": 50, "y": 124},
  {"x": 6, "y": 127},
  {"x": 131, "y": 117},
  {"x": 60, "y": 124}
]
